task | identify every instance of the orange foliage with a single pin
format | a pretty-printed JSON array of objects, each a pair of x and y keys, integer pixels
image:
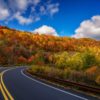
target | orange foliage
[
  {"x": 92, "y": 70},
  {"x": 24, "y": 44}
]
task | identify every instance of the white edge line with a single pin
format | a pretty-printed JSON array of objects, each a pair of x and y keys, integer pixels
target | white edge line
[{"x": 53, "y": 87}]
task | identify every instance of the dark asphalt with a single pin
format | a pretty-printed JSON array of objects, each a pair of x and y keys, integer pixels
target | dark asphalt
[{"x": 23, "y": 88}]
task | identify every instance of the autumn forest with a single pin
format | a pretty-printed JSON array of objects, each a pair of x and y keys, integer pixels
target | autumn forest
[{"x": 64, "y": 57}]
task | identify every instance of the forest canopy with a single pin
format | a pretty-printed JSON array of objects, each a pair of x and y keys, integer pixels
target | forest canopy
[{"x": 18, "y": 47}]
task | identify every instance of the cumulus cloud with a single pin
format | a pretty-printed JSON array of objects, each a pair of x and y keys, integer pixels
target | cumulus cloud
[
  {"x": 46, "y": 30},
  {"x": 33, "y": 9},
  {"x": 89, "y": 28},
  {"x": 4, "y": 13}
]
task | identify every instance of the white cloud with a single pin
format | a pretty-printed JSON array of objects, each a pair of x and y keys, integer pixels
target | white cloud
[
  {"x": 49, "y": 9},
  {"x": 22, "y": 20},
  {"x": 33, "y": 9},
  {"x": 89, "y": 28},
  {"x": 46, "y": 30},
  {"x": 53, "y": 8},
  {"x": 4, "y": 13},
  {"x": 22, "y": 4}
]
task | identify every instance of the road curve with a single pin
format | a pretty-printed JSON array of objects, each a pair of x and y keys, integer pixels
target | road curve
[{"x": 23, "y": 87}]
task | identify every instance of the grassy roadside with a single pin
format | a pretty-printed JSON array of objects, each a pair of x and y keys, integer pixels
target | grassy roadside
[{"x": 44, "y": 71}]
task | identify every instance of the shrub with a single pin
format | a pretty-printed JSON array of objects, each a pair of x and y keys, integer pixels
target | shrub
[
  {"x": 98, "y": 80},
  {"x": 22, "y": 60},
  {"x": 75, "y": 62},
  {"x": 60, "y": 60},
  {"x": 76, "y": 76},
  {"x": 66, "y": 73},
  {"x": 91, "y": 74},
  {"x": 89, "y": 59},
  {"x": 94, "y": 70}
]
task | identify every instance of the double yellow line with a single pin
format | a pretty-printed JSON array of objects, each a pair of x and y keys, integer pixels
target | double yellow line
[{"x": 6, "y": 94}]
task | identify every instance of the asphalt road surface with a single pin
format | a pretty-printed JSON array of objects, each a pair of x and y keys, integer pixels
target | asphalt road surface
[{"x": 19, "y": 86}]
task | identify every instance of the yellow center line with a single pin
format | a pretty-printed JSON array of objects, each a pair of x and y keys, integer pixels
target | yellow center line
[
  {"x": 2, "y": 85},
  {"x": 3, "y": 93}
]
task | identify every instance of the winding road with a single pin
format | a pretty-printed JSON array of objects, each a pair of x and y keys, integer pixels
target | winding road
[{"x": 15, "y": 85}]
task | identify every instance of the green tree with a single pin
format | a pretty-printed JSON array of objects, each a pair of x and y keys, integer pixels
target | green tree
[{"x": 89, "y": 59}]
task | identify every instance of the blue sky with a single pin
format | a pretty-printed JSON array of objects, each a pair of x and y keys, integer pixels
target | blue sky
[{"x": 65, "y": 16}]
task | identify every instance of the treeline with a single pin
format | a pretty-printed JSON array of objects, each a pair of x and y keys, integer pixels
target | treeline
[{"x": 18, "y": 47}]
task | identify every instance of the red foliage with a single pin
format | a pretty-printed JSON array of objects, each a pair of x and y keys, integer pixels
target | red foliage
[
  {"x": 31, "y": 59},
  {"x": 21, "y": 59}
]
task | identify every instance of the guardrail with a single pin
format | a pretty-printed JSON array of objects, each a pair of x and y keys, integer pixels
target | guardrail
[{"x": 70, "y": 83}]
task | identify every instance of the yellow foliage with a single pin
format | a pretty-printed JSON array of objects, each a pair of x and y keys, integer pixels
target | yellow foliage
[{"x": 98, "y": 80}]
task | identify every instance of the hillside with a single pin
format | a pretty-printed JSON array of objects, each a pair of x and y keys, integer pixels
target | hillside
[{"x": 17, "y": 45}]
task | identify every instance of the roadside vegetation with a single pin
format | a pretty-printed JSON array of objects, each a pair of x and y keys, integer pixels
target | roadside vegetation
[
  {"x": 81, "y": 68},
  {"x": 63, "y": 57}
]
